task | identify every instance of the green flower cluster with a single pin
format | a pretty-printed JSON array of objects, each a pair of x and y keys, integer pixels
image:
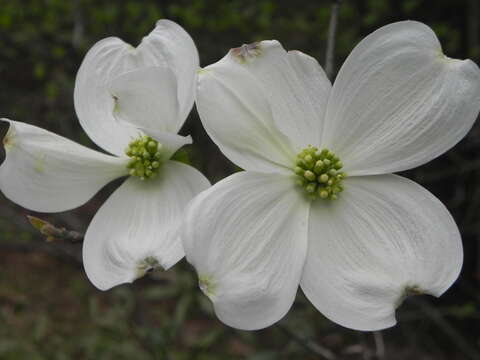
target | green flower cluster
[
  {"x": 319, "y": 173},
  {"x": 146, "y": 157}
]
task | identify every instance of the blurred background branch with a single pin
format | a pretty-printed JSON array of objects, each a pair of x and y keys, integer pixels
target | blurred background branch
[{"x": 332, "y": 34}]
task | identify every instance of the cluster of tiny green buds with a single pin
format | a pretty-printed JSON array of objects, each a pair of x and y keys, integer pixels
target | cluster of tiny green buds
[
  {"x": 146, "y": 154},
  {"x": 319, "y": 173}
]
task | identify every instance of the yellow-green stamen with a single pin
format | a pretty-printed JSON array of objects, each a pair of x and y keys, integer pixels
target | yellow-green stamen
[
  {"x": 319, "y": 173},
  {"x": 146, "y": 154}
]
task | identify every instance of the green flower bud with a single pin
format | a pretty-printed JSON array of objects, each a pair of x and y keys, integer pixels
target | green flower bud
[
  {"x": 309, "y": 175},
  {"x": 311, "y": 187},
  {"x": 323, "y": 178}
]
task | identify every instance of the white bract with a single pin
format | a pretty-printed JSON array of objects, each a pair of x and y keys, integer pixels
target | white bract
[
  {"x": 131, "y": 102},
  {"x": 356, "y": 238}
]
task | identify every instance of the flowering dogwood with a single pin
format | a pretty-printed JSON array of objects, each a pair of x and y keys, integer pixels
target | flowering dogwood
[
  {"x": 317, "y": 205},
  {"x": 131, "y": 102}
]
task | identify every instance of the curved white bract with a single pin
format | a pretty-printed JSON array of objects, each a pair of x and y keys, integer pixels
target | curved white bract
[
  {"x": 247, "y": 238},
  {"x": 139, "y": 222},
  {"x": 399, "y": 102},
  {"x": 46, "y": 172},
  {"x": 385, "y": 238},
  {"x": 168, "y": 46}
]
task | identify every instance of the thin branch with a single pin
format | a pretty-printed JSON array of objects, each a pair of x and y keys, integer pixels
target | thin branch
[
  {"x": 332, "y": 33},
  {"x": 78, "y": 25},
  {"x": 473, "y": 29},
  {"x": 64, "y": 252},
  {"x": 474, "y": 165},
  {"x": 443, "y": 324},
  {"x": 57, "y": 249},
  {"x": 53, "y": 233},
  {"x": 379, "y": 345},
  {"x": 309, "y": 345}
]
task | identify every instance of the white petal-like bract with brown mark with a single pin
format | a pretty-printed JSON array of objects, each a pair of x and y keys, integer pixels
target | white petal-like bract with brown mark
[
  {"x": 248, "y": 241},
  {"x": 167, "y": 46},
  {"x": 139, "y": 222}
]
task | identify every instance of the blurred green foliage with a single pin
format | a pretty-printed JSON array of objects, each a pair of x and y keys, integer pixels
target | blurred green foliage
[{"x": 49, "y": 310}]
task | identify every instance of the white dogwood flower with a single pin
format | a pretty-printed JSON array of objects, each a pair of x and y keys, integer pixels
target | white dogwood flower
[
  {"x": 317, "y": 205},
  {"x": 131, "y": 102}
]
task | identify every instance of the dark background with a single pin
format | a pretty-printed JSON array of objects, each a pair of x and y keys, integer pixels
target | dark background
[{"x": 48, "y": 308}]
